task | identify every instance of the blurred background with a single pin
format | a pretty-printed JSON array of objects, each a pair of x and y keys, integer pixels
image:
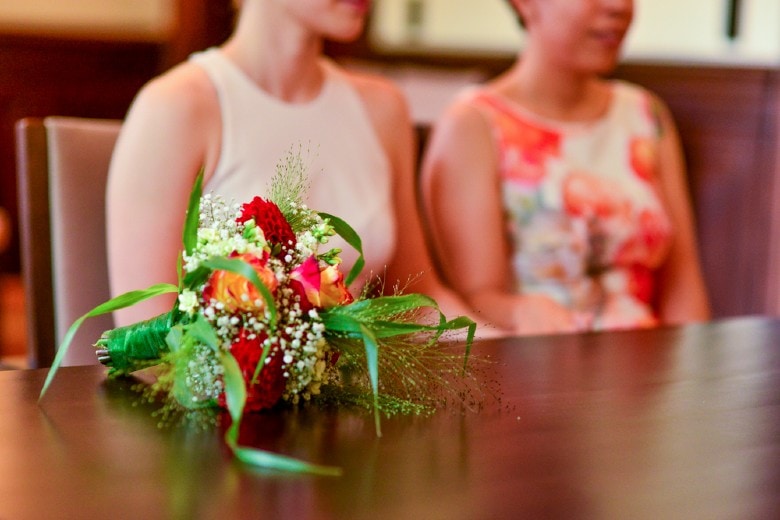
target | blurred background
[{"x": 715, "y": 62}]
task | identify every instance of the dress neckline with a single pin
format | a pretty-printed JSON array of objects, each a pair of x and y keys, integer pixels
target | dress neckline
[
  {"x": 568, "y": 127},
  {"x": 243, "y": 78}
]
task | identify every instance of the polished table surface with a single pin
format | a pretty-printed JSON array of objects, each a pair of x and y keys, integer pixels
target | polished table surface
[{"x": 668, "y": 423}]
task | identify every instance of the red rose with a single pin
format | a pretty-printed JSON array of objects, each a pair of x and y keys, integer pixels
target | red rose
[
  {"x": 270, "y": 384},
  {"x": 269, "y": 218}
]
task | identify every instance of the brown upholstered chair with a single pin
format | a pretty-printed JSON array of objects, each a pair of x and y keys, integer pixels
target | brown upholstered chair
[{"x": 62, "y": 169}]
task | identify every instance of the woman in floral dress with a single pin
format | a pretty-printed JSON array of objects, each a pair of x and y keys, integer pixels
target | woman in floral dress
[{"x": 557, "y": 199}]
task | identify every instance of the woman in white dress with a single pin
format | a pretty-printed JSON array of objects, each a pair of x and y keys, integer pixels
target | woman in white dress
[{"x": 236, "y": 111}]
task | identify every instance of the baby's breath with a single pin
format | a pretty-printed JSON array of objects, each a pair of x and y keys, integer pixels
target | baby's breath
[
  {"x": 299, "y": 335},
  {"x": 219, "y": 234},
  {"x": 204, "y": 375},
  {"x": 188, "y": 301}
]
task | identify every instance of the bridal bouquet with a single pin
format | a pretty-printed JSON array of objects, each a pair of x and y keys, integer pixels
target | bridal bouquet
[{"x": 263, "y": 316}]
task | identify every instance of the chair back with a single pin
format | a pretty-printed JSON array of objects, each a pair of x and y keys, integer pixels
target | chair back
[{"x": 62, "y": 167}]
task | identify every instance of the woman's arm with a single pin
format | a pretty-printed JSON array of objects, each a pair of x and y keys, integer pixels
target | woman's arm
[
  {"x": 463, "y": 204},
  {"x": 389, "y": 113},
  {"x": 166, "y": 138},
  {"x": 682, "y": 294}
]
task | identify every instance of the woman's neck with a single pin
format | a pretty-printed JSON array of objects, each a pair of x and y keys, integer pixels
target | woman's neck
[
  {"x": 281, "y": 57},
  {"x": 555, "y": 92}
]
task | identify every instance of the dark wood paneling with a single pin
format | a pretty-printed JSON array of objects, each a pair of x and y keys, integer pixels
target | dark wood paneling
[
  {"x": 728, "y": 131},
  {"x": 42, "y": 76},
  {"x": 48, "y": 75},
  {"x": 202, "y": 24}
]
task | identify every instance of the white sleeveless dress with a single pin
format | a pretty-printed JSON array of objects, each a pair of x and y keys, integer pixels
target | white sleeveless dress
[{"x": 349, "y": 172}]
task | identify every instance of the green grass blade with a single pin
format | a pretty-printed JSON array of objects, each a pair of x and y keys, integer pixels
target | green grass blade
[
  {"x": 120, "y": 302},
  {"x": 353, "y": 239}
]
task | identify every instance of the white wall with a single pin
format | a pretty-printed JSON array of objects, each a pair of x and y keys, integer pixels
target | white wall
[
  {"x": 452, "y": 25},
  {"x": 692, "y": 30},
  {"x": 696, "y": 30},
  {"x": 674, "y": 30}
]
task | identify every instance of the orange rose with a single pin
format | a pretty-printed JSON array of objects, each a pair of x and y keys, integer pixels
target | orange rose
[
  {"x": 236, "y": 292},
  {"x": 333, "y": 291}
]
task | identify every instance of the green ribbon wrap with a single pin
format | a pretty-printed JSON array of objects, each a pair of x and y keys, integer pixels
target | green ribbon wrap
[{"x": 138, "y": 345}]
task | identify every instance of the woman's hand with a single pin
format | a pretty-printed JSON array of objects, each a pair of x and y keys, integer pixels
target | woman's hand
[{"x": 539, "y": 314}]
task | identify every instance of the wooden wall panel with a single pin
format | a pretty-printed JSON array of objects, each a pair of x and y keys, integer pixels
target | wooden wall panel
[
  {"x": 55, "y": 75},
  {"x": 729, "y": 134},
  {"x": 772, "y": 158},
  {"x": 42, "y": 76}
]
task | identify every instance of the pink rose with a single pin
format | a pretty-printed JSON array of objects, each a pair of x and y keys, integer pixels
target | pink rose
[{"x": 319, "y": 287}]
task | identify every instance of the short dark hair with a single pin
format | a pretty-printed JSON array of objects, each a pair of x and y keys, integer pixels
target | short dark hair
[{"x": 517, "y": 13}]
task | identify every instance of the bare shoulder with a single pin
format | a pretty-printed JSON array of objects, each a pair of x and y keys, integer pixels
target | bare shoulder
[
  {"x": 463, "y": 115},
  {"x": 184, "y": 94},
  {"x": 177, "y": 115},
  {"x": 382, "y": 98},
  {"x": 461, "y": 146},
  {"x": 654, "y": 99},
  {"x": 174, "y": 123},
  {"x": 462, "y": 126},
  {"x": 657, "y": 107},
  {"x": 663, "y": 115}
]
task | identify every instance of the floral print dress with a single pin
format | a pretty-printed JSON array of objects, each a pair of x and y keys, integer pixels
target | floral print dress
[{"x": 584, "y": 218}]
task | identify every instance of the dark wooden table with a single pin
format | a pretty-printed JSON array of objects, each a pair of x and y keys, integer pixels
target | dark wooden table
[{"x": 669, "y": 423}]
